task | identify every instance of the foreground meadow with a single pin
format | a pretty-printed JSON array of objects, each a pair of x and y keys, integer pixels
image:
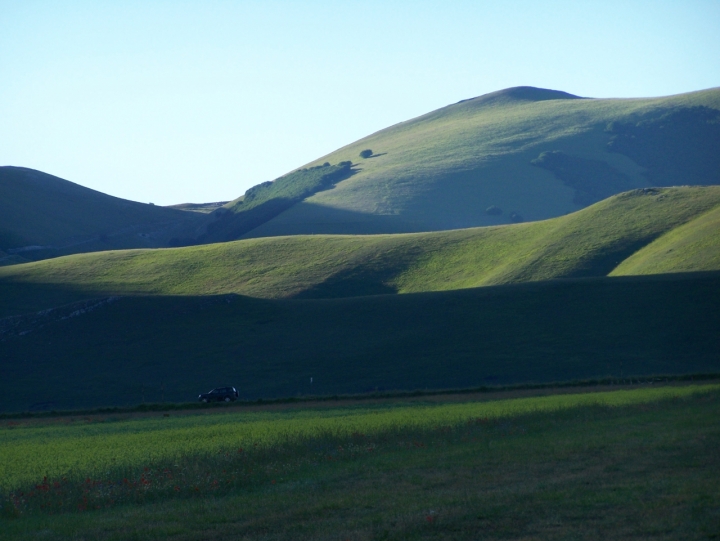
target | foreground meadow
[{"x": 629, "y": 463}]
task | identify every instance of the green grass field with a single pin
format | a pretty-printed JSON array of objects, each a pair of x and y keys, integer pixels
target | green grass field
[
  {"x": 626, "y": 234},
  {"x": 55, "y": 450},
  {"x": 250, "y": 313},
  {"x": 617, "y": 464}
]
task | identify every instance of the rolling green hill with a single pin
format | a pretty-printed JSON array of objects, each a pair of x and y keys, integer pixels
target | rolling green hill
[
  {"x": 626, "y": 234},
  {"x": 45, "y": 216},
  {"x": 121, "y": 351},
  {"x": 520, "y": 154}
]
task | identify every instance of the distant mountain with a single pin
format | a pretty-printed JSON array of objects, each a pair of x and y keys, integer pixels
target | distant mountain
[
  {"x": 520, "y": 154},
  {"x": 45, "y": 216}
]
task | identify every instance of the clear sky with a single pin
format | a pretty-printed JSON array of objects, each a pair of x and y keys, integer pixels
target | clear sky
[{"x": 177, "y": 101}]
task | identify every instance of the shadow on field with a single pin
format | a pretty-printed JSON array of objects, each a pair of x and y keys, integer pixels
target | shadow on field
[
  {"x": 19, "y": 297},
  {"x": 157, "y": 349}
]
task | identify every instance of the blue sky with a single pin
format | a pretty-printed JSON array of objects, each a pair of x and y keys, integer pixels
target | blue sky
[{"x": 178, "y": 101}]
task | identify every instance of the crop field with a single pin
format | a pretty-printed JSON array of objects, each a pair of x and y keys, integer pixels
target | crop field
[
  {"x": 332, "y": 472},
  {"x": 32, "y": 453}
]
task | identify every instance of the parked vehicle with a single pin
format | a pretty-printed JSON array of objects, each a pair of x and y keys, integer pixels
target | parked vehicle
[{"x": 221, "y": 394}]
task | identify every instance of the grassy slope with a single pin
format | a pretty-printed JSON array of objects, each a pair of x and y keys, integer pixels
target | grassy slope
[
  {"x": 269, "y": 199},
  {"x": 548, "y": 331},
  {"x": 691, "y": 247},
  {"x": 40, "y": 209},
  {"x": 591, "y": 242},
  {"x": 443, "y": 169}
]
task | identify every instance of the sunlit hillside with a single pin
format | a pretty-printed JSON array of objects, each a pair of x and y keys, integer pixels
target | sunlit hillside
[
  {"x": 478, "y": 162},
  {"x": 631, "y": 233}
]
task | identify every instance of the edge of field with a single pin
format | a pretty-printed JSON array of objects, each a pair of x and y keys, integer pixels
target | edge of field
[{"x": 475, "y": 394}]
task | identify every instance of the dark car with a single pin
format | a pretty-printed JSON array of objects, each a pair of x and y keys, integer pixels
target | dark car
[{"x": 221, "y": 394}]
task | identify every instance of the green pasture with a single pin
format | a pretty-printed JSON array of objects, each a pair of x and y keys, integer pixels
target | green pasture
[
  {"x": 269, "y": 199},
  {"x": 592, "y": 242},
  {"x": 89, "y": 449},
  {"x": 630, "y": 464}
]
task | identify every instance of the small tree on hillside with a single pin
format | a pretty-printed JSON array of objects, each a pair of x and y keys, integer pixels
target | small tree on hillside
[{"x": 366, "y": 153}]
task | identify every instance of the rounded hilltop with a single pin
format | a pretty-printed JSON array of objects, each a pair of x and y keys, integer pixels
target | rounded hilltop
[{"x": 522, "y": 93}]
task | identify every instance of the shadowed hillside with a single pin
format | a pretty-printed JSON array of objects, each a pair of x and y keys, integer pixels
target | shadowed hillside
[
  {"x": 123, "y": 351},
  {"x": 592, "y": 242},
  {"x": 265, "y": 201},
  {"x": 45, "y": 216},
  {"x": 539, "y": 170}
]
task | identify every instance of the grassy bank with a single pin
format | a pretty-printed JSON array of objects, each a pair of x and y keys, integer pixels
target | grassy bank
[{"x": 443, "y": 170}]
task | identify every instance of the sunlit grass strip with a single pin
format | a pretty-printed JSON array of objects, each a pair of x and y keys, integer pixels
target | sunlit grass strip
[{"x": 27, "y": 454}]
